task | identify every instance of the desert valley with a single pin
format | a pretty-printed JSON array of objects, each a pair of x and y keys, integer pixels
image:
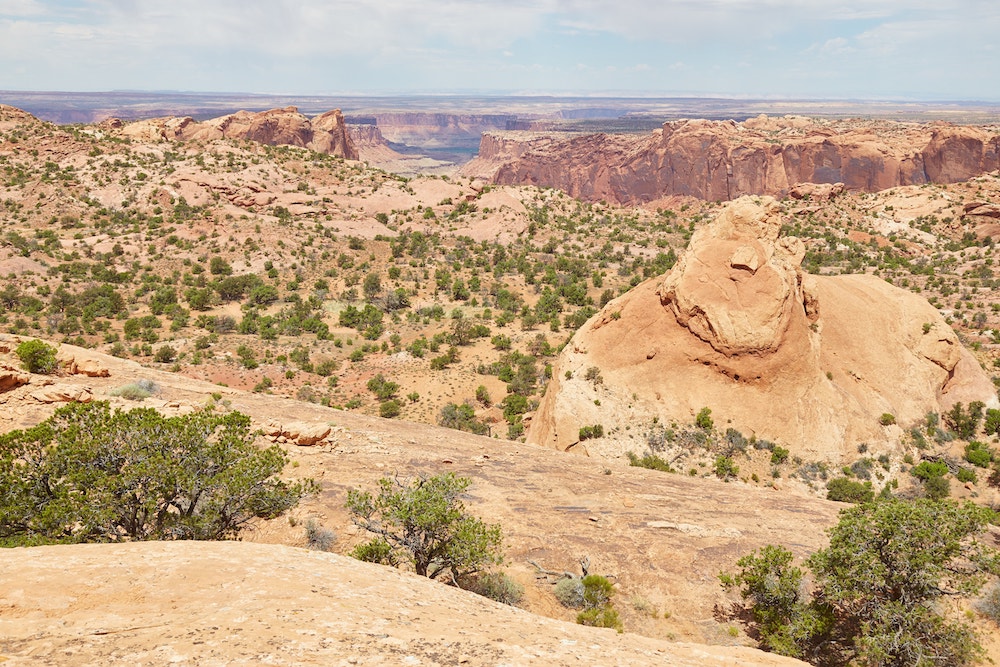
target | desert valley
[{"x": 652, "y": 340}]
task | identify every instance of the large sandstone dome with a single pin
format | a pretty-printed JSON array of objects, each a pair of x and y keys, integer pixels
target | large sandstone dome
[{"x": 810, "y": 362}]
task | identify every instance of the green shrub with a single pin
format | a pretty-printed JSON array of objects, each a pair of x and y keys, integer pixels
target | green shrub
[
  {"x": 462, "y": 417},
  {"x": 197, "y": 476},
  {"x": 929, "y": 469},
  {"x": 877, "y": 587},
  {"x": 937, "y": 488},
  {"x": 600, "y": 617},
  {"x": 704, "y": 419},
  {"x": 650, "y": 461},
  {"x": 382, "y": 388},
  {"x": 598, "y": 610},
  {"x": 846, "y": 490},
  {"x": 779, "y": 455},
  {"x": 992, "y": 424},
  {"x": 165, "y": 354},
  {"x": 389, "y": 409},
  {"x": 37, "y": 356},
  {"x": 495, "y": 586},
  {"x": 588, "y": 432},
  {"x": 978, "y": 454},
  {"x": 375, "y": 551},
  {"x": 725, "y": 468},
  {"x": 425, "y": 524},
  {"x": 887, "y": 419},
  {"x": 964, "y": 422},
  {"x": 965, "y": 475}
]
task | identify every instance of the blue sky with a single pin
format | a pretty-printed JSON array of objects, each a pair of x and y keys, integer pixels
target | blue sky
[{"x": 876, "y": 49}]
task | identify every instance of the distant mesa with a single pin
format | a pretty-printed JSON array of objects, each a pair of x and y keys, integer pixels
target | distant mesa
[
  {"x": 810, "y": 362},
  {"x": 724, "y": 160},
  {"x": 325, "y": 133}
]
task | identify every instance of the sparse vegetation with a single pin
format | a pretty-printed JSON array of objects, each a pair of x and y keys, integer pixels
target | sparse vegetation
[
  {"x": 37, "y": 356},
  {"x": 878, "y": 586},
  {"x": 425, "y": 524},
  {"x": 73, "y": 478}
]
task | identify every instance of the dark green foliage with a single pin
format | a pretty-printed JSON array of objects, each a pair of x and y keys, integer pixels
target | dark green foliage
[
  {"x": 219, "y": 267},
  {"x": 588, "y": 432},
  {"x": 165, "y": 354},
  {"x": 233, "y": 288},
  {"x": 247, "y": 357},
  {"x": 704, "y": 419},
  {"x": 964, "y": 422},
  {"x": 978, "y": 454},
  {"x": 847, "y": 490},
  {"x": 725, "y": 468},
  {"x": 37, "y": 356},
  {"x": 598, "y": 610},
  {"x": 382, "y": 388},
  {"x": 425, "y": 523},
  {"x": 965, "y": 475},
  {"x": 462, "y": 418},
  {"x": 367, "y": 318},
  {"x": 389, "y": 409},
  {"x": 262, "y": 295},
  {"x": 483, "y": 396},
  {"x": 877, "y": 587},
  {"x": 773, "y": 590},
  {"x": 928, "y": 469},
  {"x": 937, "y": 488},
  {"x": 650, "y": 461},
  {"x": 89, "y": 474},
  {"x": 991, "y": 426},
  {"x": 779, "y": 455},
  {"x": 514, "y": 405}
]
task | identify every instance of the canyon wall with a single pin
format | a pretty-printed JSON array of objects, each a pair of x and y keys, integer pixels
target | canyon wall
[{"x": 722, "y": 160}]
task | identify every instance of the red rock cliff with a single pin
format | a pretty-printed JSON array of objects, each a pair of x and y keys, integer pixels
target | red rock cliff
[{"x": 724, "y": 160}]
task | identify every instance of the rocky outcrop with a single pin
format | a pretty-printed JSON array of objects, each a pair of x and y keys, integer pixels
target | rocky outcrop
[
  {"x": 63, "y": 393},
  {"x": 11, "y": 378},
  {"x": 371, "y": 144},
  {"x": 723, "y": 160},
  {"x": 811, "y": 362},
  {"x": 326, "y": 133},
  {"x": 231, "y": 602}
]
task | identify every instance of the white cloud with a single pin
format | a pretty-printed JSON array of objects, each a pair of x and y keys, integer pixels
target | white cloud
[{"x": 428, "y": 44}]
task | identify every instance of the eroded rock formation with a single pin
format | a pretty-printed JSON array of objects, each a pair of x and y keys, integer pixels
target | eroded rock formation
[
  {"x": 326, "y": 133},
  {"x": 811, "y": 362},
  {"x": 722, "y": 160}
]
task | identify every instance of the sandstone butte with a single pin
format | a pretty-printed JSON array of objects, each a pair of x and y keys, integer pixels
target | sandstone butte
[
  {"x": 325, "y": 133},
  {"x": 723, "y": 160},
  {"x": 810, "y": 362}
]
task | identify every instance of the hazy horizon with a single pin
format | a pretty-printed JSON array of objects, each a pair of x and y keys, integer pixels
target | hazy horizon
[{"x": 915, "y": 50}]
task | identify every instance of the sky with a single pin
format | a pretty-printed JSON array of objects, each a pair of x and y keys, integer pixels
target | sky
[{"x": 823, "y": 49}]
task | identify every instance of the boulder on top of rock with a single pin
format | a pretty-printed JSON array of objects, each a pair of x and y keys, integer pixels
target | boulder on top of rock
[
  {"x": 738, "y": 287},
  {"x": 811, "y": 362}
]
